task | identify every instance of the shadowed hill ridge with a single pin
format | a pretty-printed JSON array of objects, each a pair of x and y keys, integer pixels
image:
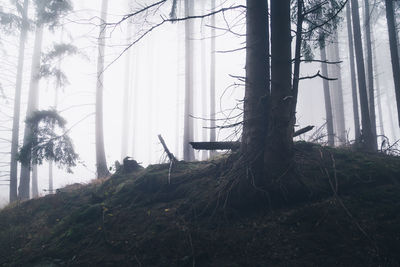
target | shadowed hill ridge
[{"x": 345, "y": 213}]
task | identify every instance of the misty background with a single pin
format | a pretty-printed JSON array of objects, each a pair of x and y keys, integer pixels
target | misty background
[{"x": 153, "y": 70}]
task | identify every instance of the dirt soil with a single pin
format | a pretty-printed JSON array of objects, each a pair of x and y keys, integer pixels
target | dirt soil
[{"x": 349, "y": 216}]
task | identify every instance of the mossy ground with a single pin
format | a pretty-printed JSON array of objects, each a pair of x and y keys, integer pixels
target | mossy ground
[{"x": 349, "y": 215}]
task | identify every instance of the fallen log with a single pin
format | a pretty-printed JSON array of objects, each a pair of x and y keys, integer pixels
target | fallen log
[
  {"x": 234, "y": 145},
  {"x": 215, "y": 145}
]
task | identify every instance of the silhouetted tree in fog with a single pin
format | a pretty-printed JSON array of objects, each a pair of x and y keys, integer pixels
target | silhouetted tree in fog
[
  {"x": 369, "y": 143},
  {"x": 188, "y": 152},
  {"x": 17, "y": 104},
  {"x": 356, "y": 116},
  {"x": 370, "y": 68},
  {"x": 391, "y": 24},
  {"x": 327, "y": 96}
]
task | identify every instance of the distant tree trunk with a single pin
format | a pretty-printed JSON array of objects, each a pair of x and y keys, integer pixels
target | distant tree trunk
[
  {"x": 278, "y": 153},
  {"x": 327, "y": 97},
  {"x": 371, "y": 93},
  {"x": 357, "y": 131},
  {"x": 338, "y": 91},
  {"x": 204, "y": 107},
  {"x": 23, "y": 189},
  {"x": 101, "y": 163},
  {"x": 58, "y": 87},
  {"x": 391, "y": 24},
  {"x": 212, "y": 79},
  {"x": 35, "y": 188},
  {"x": 369, "y": 142},
  {"x": 188, "y": 152},
  {"x": 126, "y": 97},
  {"x": 378, "y": 87},
  {"x": 17, "y": 106},
  {"x": 257, "y": 84}
]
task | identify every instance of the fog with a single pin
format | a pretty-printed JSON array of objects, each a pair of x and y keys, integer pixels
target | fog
[{"x": 155, "y": 75}]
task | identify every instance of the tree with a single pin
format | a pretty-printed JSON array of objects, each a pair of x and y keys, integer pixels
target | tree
[
  {"x": 48, "y": 13},
  {"x": 327, "y": 96},
  {"x": 45, "y": 144},
  {"x": 391, "y": 24},
  {"x": 368, "y": 141},
  {"x": 188, "y": 152},
  {"x": 212, "y": 78},
  {"x": 101, "y": 163},
  {"x": 278, "y": 151},
  {"x": 125, "y": 100},
  {"x": 371, "y": 92},
  {"x": 17, "y": 104},
  {"x": 257, "y": 90},
  {"x": 204, "y": 106},
  {"x": 356, "y": 116},
  {"x": 33, "y": 98},
  {"x": 337, "y": 96}
]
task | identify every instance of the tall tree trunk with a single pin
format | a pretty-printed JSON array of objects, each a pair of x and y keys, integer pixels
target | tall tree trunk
[
  {"x": 327, "y": 97},
  {"x": 23, "y": 189},
  {"x": 278, "y": 152},
  {"x": 35, "y": 188},
  {"x": 188, "y": 152},
  {"x": 378, "y": 87},
  {"x": 212, "y": 79},
  {"x": 371, "y": 93},
  {"x": 357, "y": 131},
  {"x": 204, "y": 107},
  {"x": 101, "y": 163},
  {"x": 58, "y": 87},
  {"x": 17, "y": 106},
  {"x": 297, "y": 60},
  {"x": 126, "y": 97},
  {"x": 393, "y": 51},
  {"x": 338, "y": 91},
  {"x": 369, "y": 142},
  {"x": 257, "y": 82}
]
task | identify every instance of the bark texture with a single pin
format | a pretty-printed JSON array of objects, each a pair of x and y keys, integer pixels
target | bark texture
[
  {"x": 257, "y": 82},
  {"x": 279, "y": 142}
]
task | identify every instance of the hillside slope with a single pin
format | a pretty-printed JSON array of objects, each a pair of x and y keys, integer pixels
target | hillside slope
[{"x": 350, "y": 216}]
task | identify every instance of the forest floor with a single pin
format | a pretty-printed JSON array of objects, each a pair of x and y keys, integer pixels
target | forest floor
[{"x": 349, "y": 217}]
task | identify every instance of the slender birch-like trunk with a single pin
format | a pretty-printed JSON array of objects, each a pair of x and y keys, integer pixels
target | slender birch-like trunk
[{"x": 17, "y": 105}]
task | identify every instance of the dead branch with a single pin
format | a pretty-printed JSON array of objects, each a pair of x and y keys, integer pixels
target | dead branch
[{"x": 169, "y": 154}]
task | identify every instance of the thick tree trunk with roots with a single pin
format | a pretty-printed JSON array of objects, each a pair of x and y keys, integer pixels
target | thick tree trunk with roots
[
  {"x": 101, "y": 164},
  {"x": 257, "y": 83},
  {"x": 17, "y": 106},
  {"x": 278, "y": 154}
]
